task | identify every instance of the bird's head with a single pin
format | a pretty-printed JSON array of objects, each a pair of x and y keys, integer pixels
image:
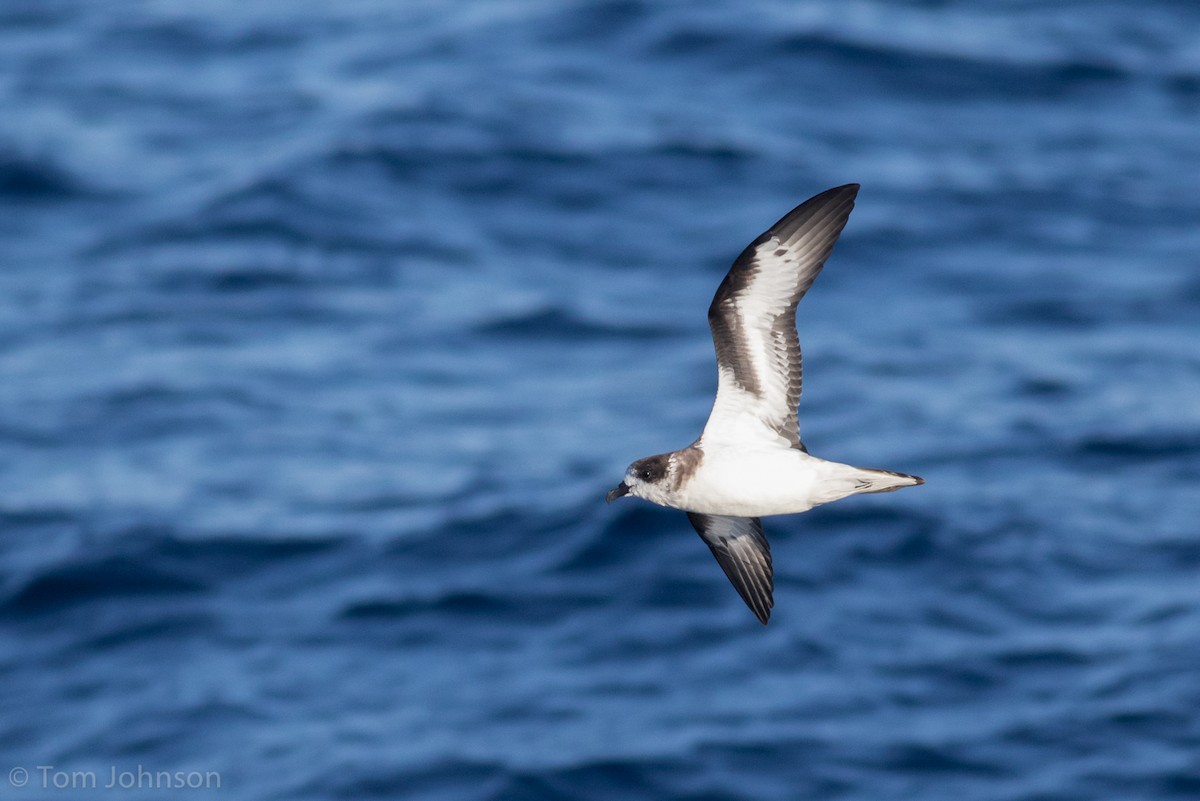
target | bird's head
[{"x": 645, "y": 478}]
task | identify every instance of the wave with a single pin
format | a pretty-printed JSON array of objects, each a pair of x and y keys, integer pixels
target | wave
[
  {"x": 31, "y": 179},
  {"x": 85, "y": 581},
  {"x": 153, "y": 564},
  {"x": 560, "y": 325}
]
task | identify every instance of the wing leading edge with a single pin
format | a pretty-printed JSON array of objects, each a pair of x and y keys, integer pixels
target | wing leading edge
[{"x": 753, "y": 322}]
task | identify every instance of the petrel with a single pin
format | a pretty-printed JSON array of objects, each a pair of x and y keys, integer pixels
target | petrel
[{"x": 749, "y": 461}]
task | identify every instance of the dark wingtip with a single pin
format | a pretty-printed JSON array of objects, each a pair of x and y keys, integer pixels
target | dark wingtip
[
  {"x": 760, "y": 605},
  {"x": 844, "y": 189},
  {"x": 919, "y": 481}
]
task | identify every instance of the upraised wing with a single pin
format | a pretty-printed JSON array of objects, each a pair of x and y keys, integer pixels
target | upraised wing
[
  {"x": 753, "y": 322},
  {"x": 744, "y": 554}
]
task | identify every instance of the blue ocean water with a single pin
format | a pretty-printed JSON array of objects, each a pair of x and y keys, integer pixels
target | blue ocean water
[{"x": 325, "y": 326}]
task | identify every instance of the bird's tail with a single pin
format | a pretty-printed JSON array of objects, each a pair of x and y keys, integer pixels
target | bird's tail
[
  {"x": 868, "y": 480},
  {"x": 844, "y": 480}
]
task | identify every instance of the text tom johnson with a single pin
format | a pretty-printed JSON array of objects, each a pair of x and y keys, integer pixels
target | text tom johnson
[{"x": 138, "y": 778}]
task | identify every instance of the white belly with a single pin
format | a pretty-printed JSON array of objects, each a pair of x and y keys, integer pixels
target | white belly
[{"x": 754, "y": 483}]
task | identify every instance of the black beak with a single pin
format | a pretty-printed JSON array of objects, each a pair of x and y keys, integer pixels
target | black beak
[{"x": 619, "y": 491}]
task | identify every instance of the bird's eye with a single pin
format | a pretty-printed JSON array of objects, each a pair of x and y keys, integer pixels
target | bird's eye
[{"x": 645, "y": 475}]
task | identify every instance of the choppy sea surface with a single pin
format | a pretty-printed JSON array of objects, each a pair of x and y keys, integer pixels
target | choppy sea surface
[{"x": 325, "y": 326}]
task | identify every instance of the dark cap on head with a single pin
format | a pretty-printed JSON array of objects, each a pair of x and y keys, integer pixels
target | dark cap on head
[{"x": 652, "y": 469}]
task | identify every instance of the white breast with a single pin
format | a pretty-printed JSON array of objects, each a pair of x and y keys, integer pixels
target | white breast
[{"x": 752, "y": 482}]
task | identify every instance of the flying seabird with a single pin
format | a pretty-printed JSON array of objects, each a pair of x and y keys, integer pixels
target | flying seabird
[{"x": 749, "y": 461}]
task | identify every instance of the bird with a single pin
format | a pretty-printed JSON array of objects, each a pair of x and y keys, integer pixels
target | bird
[{"x": 749, "y": 461}]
